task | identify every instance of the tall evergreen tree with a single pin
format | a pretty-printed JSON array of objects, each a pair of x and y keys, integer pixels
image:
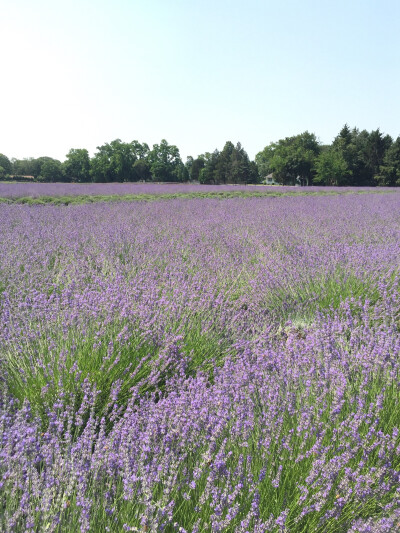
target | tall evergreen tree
[
  {"x": 389, "y": 172},
  {"x": 209, "y": 173}
]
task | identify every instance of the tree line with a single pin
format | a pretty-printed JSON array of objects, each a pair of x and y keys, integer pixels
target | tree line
[
  {"x": 119, "y": 161},
  {"x": 355, "y": 158}
]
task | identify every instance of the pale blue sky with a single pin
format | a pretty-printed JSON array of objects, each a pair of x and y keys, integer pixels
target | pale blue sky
[{"x": 81, "y": 73}]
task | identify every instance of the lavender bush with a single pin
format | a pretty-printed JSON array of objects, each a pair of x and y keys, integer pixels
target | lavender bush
[{"x": 201, "y": 365}]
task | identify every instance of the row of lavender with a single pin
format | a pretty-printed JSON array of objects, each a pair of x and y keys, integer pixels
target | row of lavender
[
  {"x": 36, "y": 190},
  {"x": 201, "y": 365}
]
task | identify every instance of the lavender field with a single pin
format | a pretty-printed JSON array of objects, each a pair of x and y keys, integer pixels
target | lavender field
[
  {"x": 36, "y": 190},
  {"x": 201, "y": 365},
  {"x": 56, "y": 190}
]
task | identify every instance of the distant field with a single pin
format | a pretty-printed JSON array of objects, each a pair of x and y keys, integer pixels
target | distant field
[
  {"x": 67, "y": 193},
  {"x": 35, "y": 190},
  {"x": 200, "y": 366}
]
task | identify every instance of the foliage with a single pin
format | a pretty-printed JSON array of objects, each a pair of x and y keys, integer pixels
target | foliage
[
  {"x": 195, "y": 166},
  {"x": 232, "y": 165},
  {"x": 51, "y": 170},
  {"x": 371, "y": 148},
  {"x": 389, "y": 172},
  {"x": 113, "y": 162},
  {"x": 5, "y": 166},
  {"x": 141, "y": 170},
  {"x": 165, "y": 163},
  {"x": 355, "y": 158},
  {"x": 208, "y": 174},
  {"x": 23, "y": 167},
  {"x": 291, "y": 160},
  {"x": 77, "y": 165},
  {"x": 363, "y": 153},
  {"x": 28, "y": 167},
  {"x": 198, "y": 165},
  {"x": 331, "y": 168}
]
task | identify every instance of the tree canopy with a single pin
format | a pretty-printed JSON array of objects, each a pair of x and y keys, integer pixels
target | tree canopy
[
  {"x": 232, "y": 165},
  {"x": 5, "y": 166},
  {"x": 354, "y": 158},
  {"x": 51, "y": 170},
  {"x": 291, "y": 160},
  {"x": 389, "y": 171},
  {"x": 165, "y": 162},
  {"x": 77, "y": 165}
]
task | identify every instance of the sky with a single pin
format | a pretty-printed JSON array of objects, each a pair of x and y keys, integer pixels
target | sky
[{"x": 78, "y": 74}]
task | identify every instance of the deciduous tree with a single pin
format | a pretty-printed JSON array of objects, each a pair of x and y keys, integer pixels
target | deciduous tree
[
  {"x": 292, "y": 160},
  {"x": 5, "y": 166},
  {"x": 113, "y": 162},
  {"x": 51, "y": 170},
  {"x": 331, "y": 168},
  {"x": 165, "y": 162},
  {"x": 77, "y": 165}
]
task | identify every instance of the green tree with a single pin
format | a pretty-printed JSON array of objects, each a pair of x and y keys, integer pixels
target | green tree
[
  {"x": 141, "y": 170},
  {"x": 141, "y": 167},
  {"x": 255, "y": 176},
  {"x": 113, "y": 162},
  {"x": 224, "y": 164},
  {"x": 371, "y": 149},
  {"x": 292, "y": 160},
  {"x": 189, "y": 164},
  {"x": 331, "y": 168},
  {"x": 5, "y": 166},
  {"x": 36, "y": 166},
  {"x": 196, "y": 167},
  {"x": 165, "y": 162},
  {"x": 241, "y": 168},
  {"x": 363, "y": 152},
  {"x": 77, "y": 165},
  {"x": 51, "y": 170},
  {"x": 346, "y": 144},
  {"x": 389, "y": 172},
  {"x": 232, "y": 165},
  {"x": 182, "y": 173},
  {"x": 140, "y": 150},
  {"x": 209, "y": 172},
  {"x": 262, "y": 160},
  {"x": 17, "y": 167},
  {"x": 27, "y": 166}
]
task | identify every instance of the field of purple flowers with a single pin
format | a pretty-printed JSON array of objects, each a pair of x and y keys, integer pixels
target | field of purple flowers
[
  {"x": 37, "y": 190},
  {"x": 201, "y": 365}
]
